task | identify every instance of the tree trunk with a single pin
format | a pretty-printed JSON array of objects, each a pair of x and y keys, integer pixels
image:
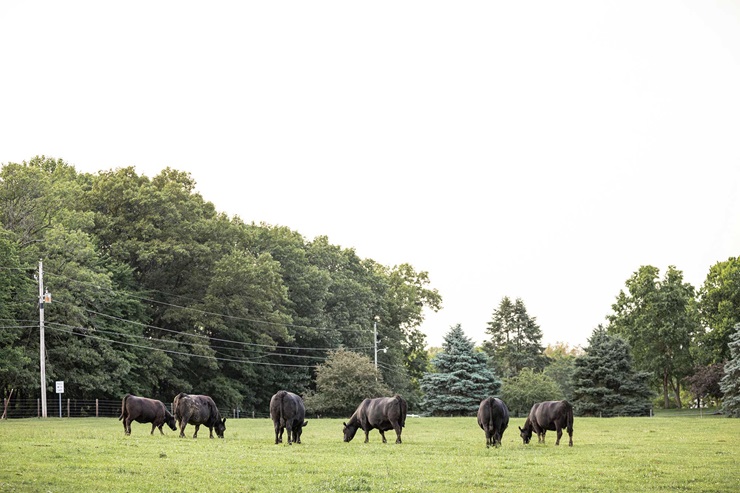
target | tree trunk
[
  {"x": 7, "y": 403},
  {"x": 666, "y": 402},
  {"x": 677, "y": 391}
]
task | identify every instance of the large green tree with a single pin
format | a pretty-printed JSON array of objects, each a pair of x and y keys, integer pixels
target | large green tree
[
  {"x": 719, "y": 306},
  {"x": 516, "y": 339},
  {"x": 16, "y": 362},
  {"x": 343, "y": 381},
  {"x": 605, "y": 382},
  {"x": 561, "y": 360},
  {"x": 528, "y": 387},
  {"x": 462, "y": 378},
  {"x": 659, "y": 319}
]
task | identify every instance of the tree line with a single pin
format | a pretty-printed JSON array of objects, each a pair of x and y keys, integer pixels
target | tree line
[{"x": 155, "y": 292}]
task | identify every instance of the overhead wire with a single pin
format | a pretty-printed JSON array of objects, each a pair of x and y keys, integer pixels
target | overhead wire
[
  {"x": 70, "y": 329},
  {"x": 169, "y": 351},
  {"x": 85, "y": 330},
  {"x": 205, "y": 312}
]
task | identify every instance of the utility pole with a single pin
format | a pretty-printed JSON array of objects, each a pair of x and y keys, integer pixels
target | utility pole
[
  {"x": 42, "y": 343},
  {"x": 375, "y": 339}
]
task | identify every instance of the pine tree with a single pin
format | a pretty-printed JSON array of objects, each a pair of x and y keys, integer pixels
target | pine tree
[
  {"x": 605, "y": 383},
  {"x": 515, "y": 339},
  {"x": 462, "y": 379},
  {"x": 730, "y": 383}
]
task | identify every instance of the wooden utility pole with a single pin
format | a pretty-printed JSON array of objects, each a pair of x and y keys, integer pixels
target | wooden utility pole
[{"x": 42, "y": 342}]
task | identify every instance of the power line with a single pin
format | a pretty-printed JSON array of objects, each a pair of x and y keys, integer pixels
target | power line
[
  {"x": 85, "y": 330},
  {"x": 204, "y": 312},
  {"x": 201, "y": 336},
  {"x": 169, "y": 351}
]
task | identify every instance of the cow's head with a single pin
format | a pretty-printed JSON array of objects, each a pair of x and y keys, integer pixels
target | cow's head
[
  {"x": 525, "y": 433},
  {"x": 170, "y": 420},
  {"x": 220, "y": 427},
  {"x": 349, "y": 432}
]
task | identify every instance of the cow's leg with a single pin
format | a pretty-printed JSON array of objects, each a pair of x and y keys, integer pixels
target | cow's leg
[
  {"x": 367, "y": 435},
  {"x": 289, "y": 429},
  {"x": 496, "y": 438},
  {"x": 127, "y": 425},
  {"x": 278, "y": 438},
  {"x": 183, "y": 424},
  {"x": 382, "y": 434},
  {"x": 195, "y": 435},
  {"x": 397, "y": 428},
  {"x": 160, "y": 429},
  {"x": 153, "y": 427},
  {"x": 210, "y": 429},
  {"x": 570, "y": 438},
  {"x": 559, "y": 431}
]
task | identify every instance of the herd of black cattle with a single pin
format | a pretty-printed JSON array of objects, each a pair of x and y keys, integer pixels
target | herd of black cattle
[{"x": 384, "y": 413}]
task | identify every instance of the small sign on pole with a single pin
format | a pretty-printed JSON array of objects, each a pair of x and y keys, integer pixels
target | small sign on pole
[{"x": 60, "y": 391}]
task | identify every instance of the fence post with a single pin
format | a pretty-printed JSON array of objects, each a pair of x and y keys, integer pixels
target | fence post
[
  {"x": 38, "y": 408},
  {"x": 96, "y": 408},
  {"x": 68, "y": 408}
]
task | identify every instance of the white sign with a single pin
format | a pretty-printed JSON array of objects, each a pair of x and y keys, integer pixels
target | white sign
[{"x": 60, "y": 387}]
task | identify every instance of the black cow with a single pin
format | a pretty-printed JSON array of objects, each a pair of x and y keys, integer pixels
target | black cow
[
  {"x": 493, "y": 418},
  {"x": 198, "y": 410},
  {"x": 549, "y": 415},
  {"x": 145, "y": 410},
  {"x": 287, "y": 411},
  {"x": 383, "y": 413}
]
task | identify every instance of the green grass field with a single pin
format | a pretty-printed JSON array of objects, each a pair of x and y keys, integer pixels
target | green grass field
[{"x": 438, "y": 454}]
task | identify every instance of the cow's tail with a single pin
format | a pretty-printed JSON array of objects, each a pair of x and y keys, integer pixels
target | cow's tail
[
  {"x": 403, "y": 408},
  {"x": 280, "y": 397},
  {"x": 491, "y": 412},
  {"x": 123, "y": 407},
  {"x": 175, "y": 405},
  {"x": 569, "y": 424}
]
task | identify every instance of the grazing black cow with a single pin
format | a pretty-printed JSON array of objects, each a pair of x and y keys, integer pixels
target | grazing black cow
[
  {"x": 493, "y": 418},
  {"x": 145, "y": 410},
  {"x": 198, "y": 410},
  {"x": 287, "y": 412},
  {"x": 383, "y": 413},
  {"x": 549, "y": 415}
]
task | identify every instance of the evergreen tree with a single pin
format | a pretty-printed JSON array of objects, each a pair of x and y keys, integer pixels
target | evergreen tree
[
  {"x": 730, "y": 383},
  {"x": 605, "y": 383},
  {"x": 462, "y": 379},
  {"x": 515, "y": 339}
]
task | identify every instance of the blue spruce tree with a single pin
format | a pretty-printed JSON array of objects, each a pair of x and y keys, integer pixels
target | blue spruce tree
[
  {"x": 462, "y": 379},
  {"x": 730, "y": 383},
  {"x": 605, "y": 382}
]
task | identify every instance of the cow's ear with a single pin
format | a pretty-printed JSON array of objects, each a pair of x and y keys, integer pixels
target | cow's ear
[
  {"x": 305, "y": 423},
  {"x": 520, "y": 428},
  {"x": 344, "y": 424},
  {"x": 223, "y": 421}
]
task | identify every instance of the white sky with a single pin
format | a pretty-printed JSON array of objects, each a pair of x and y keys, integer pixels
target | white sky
[{"x": 534, "y": 149}]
